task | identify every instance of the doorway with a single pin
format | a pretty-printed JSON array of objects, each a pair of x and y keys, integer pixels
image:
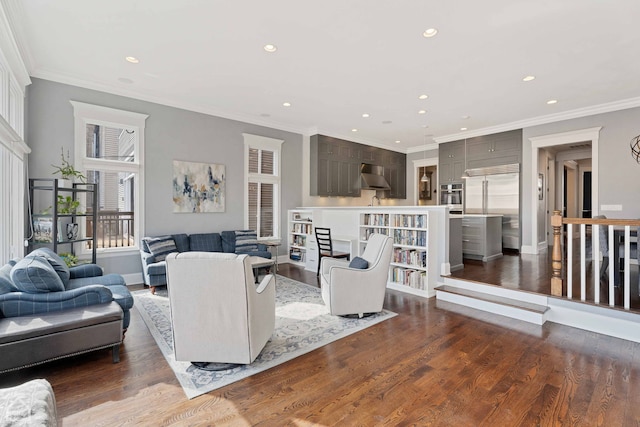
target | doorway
[
  {"x": 425, "y": 192},
  {"x": 554, "y": 143}
]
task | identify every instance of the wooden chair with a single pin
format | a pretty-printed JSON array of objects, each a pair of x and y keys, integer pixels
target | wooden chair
[{"x": 325, "y": 246}]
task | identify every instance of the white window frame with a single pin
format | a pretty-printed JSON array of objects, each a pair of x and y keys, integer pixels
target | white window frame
[
  {"x": 85, "y": 114},
  {"x": 264, "y": 143}
]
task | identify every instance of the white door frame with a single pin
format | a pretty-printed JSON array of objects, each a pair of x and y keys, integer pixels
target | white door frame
[
  {"x": 572, "y": 137},
  {"x": 431, "y": 161}
]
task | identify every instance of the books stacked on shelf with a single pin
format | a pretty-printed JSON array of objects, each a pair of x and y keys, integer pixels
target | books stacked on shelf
[
  {"x": 298, "y": 240},
  {"x": 369, "y": 231},
  {"x": 302, "y": 228},
  {"x": 410, "y": 257},
  {"x": 413, "y": 221},
  {"x": 296, "y": 255},
  {"x": 376, "y": 219},
  {"x": 410, "y": 237},
  {"x": 413, "y": 278}
]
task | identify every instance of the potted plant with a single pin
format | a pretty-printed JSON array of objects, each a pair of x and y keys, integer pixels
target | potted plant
[
  {"x": 66, "y": 205},
  {"x": 69, "y": 259},
  {"x": 67, "y": 171}
]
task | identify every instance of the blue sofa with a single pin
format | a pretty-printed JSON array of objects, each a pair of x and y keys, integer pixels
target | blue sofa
[
  {"x": 49, "y": 311},
  {"x": 41, "y": 282},
  {"x": 153, "y": 250}
]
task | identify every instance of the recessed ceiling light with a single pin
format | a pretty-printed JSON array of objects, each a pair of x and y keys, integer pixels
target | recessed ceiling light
[
  {"x": 430, "y": 32},
  {"x": 365, "y": 115},
  {"x": 286, "y": 104},
  {"x": 132, "y": 59},
  {"x": 528, "y": 78},
  {"x": 466, "y": 117},
  {"x": 422, "y": 112},
  {"x": 552, "y": 101},
  {"x": 397, "y": 141},
  {"x": 125, "y": 80},
  {"x": 354, "y": 130},
  {"x": 423, "y": 96},
  {"x": 387, "y": 122},
  {"x": 463, "y": 128},
  {"x": 270, "y": 48}
]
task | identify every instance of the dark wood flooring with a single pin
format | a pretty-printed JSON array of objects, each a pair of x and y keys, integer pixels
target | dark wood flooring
[
  {"x": 433, "y": 364},
  {"x": 532, "y": 273}
]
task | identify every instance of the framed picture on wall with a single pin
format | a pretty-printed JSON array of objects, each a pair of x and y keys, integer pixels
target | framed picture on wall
[{"x": 540, "y": 186}]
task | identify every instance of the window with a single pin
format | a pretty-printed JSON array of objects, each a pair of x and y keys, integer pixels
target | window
[
  {"x": 262, "y": 178},
  {"x": 108, "y": 149}
]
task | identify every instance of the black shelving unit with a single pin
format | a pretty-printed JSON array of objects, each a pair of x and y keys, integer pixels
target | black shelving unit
[{"x": 38, "y": 187}]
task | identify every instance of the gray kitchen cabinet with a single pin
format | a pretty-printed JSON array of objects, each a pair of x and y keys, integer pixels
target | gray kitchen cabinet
[
  {"x": 395, "y": 172},
  {"x": 482, "y": 237},
  {"x": 503, "y": 148},
  {"x": 335, "y": 167},
  {"x": 348, "y": 179},
  {"x": 451, "y": 162}
]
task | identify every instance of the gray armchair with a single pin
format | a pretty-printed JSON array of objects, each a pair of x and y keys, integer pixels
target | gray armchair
[
  {"x": 218, "y": 313},
  {"x": 347, "y": 290}
]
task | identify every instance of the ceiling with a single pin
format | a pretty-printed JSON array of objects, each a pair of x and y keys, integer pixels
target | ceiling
[{"x": 337, "y": 60}]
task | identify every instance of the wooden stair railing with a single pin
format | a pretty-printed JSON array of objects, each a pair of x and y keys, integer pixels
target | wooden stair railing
[{"x": 557, "y": 285}]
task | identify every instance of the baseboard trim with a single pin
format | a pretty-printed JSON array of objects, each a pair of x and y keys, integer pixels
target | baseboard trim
[{"x": 133, "y": 278}]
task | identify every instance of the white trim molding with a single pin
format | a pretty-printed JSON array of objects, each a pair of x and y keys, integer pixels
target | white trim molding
[{"x": 571, "y": 137}]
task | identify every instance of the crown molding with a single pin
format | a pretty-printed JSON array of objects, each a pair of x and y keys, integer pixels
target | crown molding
[
  {"x": 541, "y": 120},
  {"x": 114, "y": 90},
  {"x": 352, "y": 138},
  {"x": 421, "y": 148},
  {"x": 11, "y": 47}
]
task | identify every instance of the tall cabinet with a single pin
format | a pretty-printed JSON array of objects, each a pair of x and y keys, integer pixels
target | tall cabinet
[{"x": 56, "y": 223}]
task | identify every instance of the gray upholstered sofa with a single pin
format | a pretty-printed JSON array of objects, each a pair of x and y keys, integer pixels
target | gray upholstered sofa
[
  {"x": 48, "y": 310},
  {"x": 153, "y": 250}
]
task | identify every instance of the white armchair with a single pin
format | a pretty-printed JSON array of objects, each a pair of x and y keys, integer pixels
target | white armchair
[
  {"x": 218, "y": 313},
  {"x": 348, "y": 290}
]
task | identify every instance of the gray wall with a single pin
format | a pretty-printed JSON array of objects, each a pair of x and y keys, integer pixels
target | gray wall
[
  {"x": 619, "y": 174},
  {"x": 170, "y": 134}
]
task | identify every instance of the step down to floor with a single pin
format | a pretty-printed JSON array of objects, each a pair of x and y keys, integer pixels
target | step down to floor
[{"x": 509, "y": 307}]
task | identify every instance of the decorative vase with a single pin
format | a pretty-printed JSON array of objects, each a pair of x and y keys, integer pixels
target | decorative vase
[{"x": 65, "y": 183}]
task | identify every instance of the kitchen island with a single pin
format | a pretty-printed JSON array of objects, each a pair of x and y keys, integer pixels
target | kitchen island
[{"x": 482, "y": 236}]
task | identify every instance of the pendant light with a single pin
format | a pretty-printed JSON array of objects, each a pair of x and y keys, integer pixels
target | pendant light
[{"x": 425, "y": 178}]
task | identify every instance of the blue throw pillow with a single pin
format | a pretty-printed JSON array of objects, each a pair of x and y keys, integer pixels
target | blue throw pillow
[
  {"x": 160, "y": 247},
  {"x": 56, "y": 262},
  {"x": 360, "y": 263},
  {"x": 33, "y": 274},
  {"x": 246, "y": 241}
]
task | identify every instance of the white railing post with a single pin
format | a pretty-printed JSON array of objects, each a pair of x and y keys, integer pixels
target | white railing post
[
  {"x": 612, "y": 296},
  {"x": 583, "y": 263},
  {"x": 569, "y": 261},
  {"x": 627, "y": 258}
]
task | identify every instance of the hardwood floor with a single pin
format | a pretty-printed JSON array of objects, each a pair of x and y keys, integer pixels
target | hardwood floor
[
  {"x": 532, "y": 273},
  {"x": 433, "y": 364}
]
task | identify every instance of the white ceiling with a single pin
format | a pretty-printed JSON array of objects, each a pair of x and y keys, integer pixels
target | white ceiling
[{"x": 338, "y": 59}]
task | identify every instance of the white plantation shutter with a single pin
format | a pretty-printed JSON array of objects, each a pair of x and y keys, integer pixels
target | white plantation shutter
[{"x": 263, "y": 185}]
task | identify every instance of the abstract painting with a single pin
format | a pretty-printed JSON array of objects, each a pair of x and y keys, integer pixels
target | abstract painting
[{"x": 198, "y": 187}]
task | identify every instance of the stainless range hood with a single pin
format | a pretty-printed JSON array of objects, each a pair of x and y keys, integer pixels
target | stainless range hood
[{"x": 373, "y": 177}]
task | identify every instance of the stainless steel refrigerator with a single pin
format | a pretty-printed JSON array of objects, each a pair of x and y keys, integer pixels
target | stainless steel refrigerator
[{"x": 496, "y": 190}]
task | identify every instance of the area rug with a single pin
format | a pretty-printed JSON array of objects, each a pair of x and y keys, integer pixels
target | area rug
[{"x": 303, "y": 324}]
